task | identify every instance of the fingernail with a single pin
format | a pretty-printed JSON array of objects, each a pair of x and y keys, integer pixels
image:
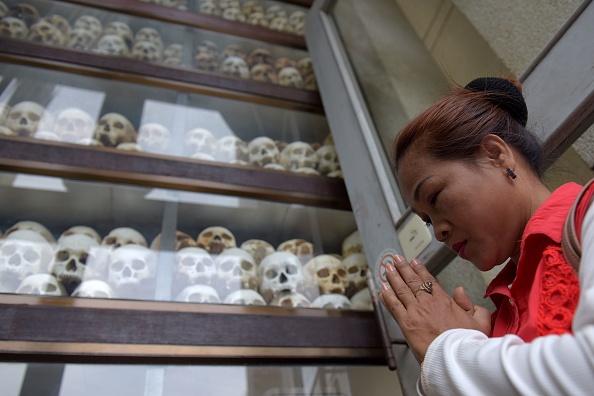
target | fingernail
[
  {"x": 399, "y": 258},
  {"x": 415, "y": 262},
  {"x": 385, "y": 286},
  {"x": 390, "y": 268}
]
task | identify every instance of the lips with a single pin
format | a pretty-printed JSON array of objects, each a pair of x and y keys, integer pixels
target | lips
[{"x": 459, "y": 248}]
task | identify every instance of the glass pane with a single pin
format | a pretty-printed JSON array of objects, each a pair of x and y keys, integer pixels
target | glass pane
[
  {"x": 139, "y": 380},
  {"x": 96, "y": 240}
]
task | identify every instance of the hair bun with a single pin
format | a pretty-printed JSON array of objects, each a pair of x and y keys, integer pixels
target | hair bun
[{"x": 505, "y": 95}]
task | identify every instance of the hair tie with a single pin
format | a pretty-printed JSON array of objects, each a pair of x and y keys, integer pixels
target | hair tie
[{"x": 506, "y": 96}]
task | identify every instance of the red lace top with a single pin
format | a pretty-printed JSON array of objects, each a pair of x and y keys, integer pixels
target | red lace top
[{"x": 539, "y": 295}]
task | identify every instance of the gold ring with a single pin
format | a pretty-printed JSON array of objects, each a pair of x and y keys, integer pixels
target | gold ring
[{"x": 426, "y": 287}]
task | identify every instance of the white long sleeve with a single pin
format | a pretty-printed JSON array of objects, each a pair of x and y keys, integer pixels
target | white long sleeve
[{"x": 466, "y": 362}]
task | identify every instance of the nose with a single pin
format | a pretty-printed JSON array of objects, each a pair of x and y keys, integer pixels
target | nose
[{"x": 441, "y": 230}]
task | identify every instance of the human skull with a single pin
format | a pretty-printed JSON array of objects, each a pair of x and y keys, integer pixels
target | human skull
[
  {"x": 257, "y": 19},
  {"x": 179, "y": 4},
  {"x": 209, "y": 47},
  {"x": 264, "y": 73},
  {"x": 25, "y": 12},
  {"x": 25, "y": 118},
  {"x": 297, "y": 21},
  {"x": 13, "y": 27},
  {"x": 337, "y": 173},
  {"x": 173, "y": 54},
  {"x": 298, "y": 155},
  {"x": 329, "y": 273},
  {"x": 123, "y": 236},
  {"x": 60, "y": 22},
  {"x": 258, "y": 56},
  {"x": 44, "y": 32},
  {"x": 237, "y": 270},
  {"x": 154, "y": 138},
  {"x": 82, "y": 230},
  {"x": 352, "y": 244},
  {"x": 290, "y": 77},
  {"x": 332, "y": 301},
  {"x": 327, "y": 159},
  {"x": 70, "y": 259},
  {"x": 112, "y": 44},
  {"x": 280, "y": 24},
  {"x": 209, "y": 7},
  {"x": 307, "y": 171},
  {"x": 22, "y": 253},
  {"x": 73, "y": 125},
  {"x": 150, "y": 34},
  {"x": 258, "y": 248},
  {"x": 89, "y": 23},
  {"x": 4, "y": 112},
  {"x": 224, "y": 4},
  {"x": 356, "y": 267},
  {"x": 245, "y": 297},
  {"x": 281, "y": 63},
  {"x": 94, "y": 288},
  {"x": 262, "y": 150},
  {"x": 362, "y": 300},
  {"x": 299, "y": 247},
  {"x": 81, "y": 39},
  {"x": 200, "y": 140},
  {"x": 32, "y": 226},
  {"x": 275, "y": 11},
  {"x": 199, "y": 294},
  {"x": 182, "y": 240},
  {"x": 235, "y": 66},
  {"x": 290, "y": 300},
  {"x": 310, "y": 83},
  {"x": 233, "y": 50},
  {"x": 129, "y": 146},
  {"x": 280, "y": 272},
  {"x": 233, "y": 14},
  {"x": 147, "y": 51},
  {"x": 203, "y": 157},
  {"x": 231, "y": 149},
  {"x": 132, "y": 270},
  {"x": 216, "y": 239},
  {"x": 305, "y": 66},
  {"x": 113, "y": 129},
  {"x": 276, "y": 167},
  {"x": 121, "y": 29},
  {"x": 206, "y": 61},
  {"x": 41, "y": 285},
  {"x": 195, "y": 265},
  {"x": 249, "y": 7}
]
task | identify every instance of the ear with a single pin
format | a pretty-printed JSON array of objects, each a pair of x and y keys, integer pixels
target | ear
[{"x": 497, "y": 153}]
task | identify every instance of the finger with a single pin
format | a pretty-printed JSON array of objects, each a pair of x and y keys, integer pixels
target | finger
[
  {"x": 424, "y": 276},
  {"x": 462, "y": 300},
  {"x": 391, "y": 302},
  {"x": 399, "y": 284}
]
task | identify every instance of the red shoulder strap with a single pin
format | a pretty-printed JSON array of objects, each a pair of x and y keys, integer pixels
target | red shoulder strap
[{"x": 571, "y": 237}]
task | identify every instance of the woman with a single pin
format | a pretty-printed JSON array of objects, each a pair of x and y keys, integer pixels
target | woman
[{"x": 468, "y": 166}]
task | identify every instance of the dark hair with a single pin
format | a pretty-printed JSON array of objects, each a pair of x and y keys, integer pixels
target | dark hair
[{"x": 454, "y": 127}]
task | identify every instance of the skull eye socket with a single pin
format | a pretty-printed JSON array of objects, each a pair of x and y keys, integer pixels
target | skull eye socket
[
  {"x": 15, "y": 115},
  {"x": 34, "y": 117},
  {"x": 342, "y": 273},
  {"x": 110, "y": 240},
  {"x": 62, "y": 255},
  {"x": 271, "y": 274},
  {"x": 31, "y": 255},
  {"x": 246, "y": 265},
  {"x": 254, "y": 150},
  {"x": 287, "y": 303},
  {"x": 25, "y": 289},
  {"x": 8, "y": 250},
  {"x": 363, "y": 272},
  {"x": 208, "y": 234},
  {"x": 328, "y": 157},
  {"x": 353, "y": 270},
  {"x": 187, "y": 261},
  {"x": 118, "y": 125},
  {"x": 292, "y": 269},
  {"x": 83, "y": 258},
  {"x": 117, "y": 266},
  {"x": 208, "y": 262},
  {"x": 227, "y": 237},
  {"x": 323, "y": 273},
  {"x": 51, "y": 288},
  {"x": 100, "y": 294},
  {"x": 227, "y": 265},
  {"x": 138, "y": 264}
]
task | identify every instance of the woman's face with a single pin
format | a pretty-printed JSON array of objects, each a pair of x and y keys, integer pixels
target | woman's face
[{"x": 471, "y": 207}]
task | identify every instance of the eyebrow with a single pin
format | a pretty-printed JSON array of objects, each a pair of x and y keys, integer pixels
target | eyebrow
[{"x": 418, "y": 188}]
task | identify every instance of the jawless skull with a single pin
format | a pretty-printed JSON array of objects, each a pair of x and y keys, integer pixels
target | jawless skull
[
  {"x": 305, "y": 66},
  {"x": 216, "y": 239},
  {"x": 233, "y": 50},
  {"x": 279, "y": 273},
  {"x": 249, "y": 7},
  {"x": 72, "y": 125},
  {"x": 182, "y": 240},
  {"x": 257, "y": 19},
  {"x": 206, "y": 61},
  {"x": 32, "y": 226},
  {"x": 332, "y": 301},
  {"x": 91, "y": 24},
  {"x": 25, "y": 117},
  {"x": 147, "y": 51},
  {"x": 70, "y": 259},
  {"x": 82, "y": 230},
  {"x": 209, "y": 7},
  {"x": 14, "y": 28},
  {"x": 233, "y": 14},
  {"x": 275, "y": 11},
  {"x": 291, "y": 300},
  {"x": 199, "y": 140},
  {"x": 301, "y": 248},
  {"x": 154, "y": 138},
  {"x": 41, "y": 285},
  {"x": 237, "y": 270},
  {"x": 44, "y": 32},
  {"x": 112, "y": 44},
  {"x": 258, "y": 56},
  {"x": 151, "y": 35},
  {"x": 352, "y": 244},
  {"x": 262, "y": 150},
  {"x": 81, "y": 39},
  {"x": 264, "y": 73},
  {"x": 327, "y": 159},
  {"x": 298, "y": 155},
  {"x": 231, "y": 149},
  {"x": 94, "y": 288},
  {"x": 132, "y": 270},
  {"x": 362, "y": 300},
  {"x": 290, "y": 77},
  {"x": 280, "y": 24},
  {"x": 203, "y": 294},
  {"x": 356, "y": 267},
  {"x": 245, "y": 297},
  {"x": 235, "y": 66},
  {"x": 297, "y": 21},
  {"x": 329, "y": 273},
  {"x": 113, "y": 129},
  {"x": 258, "y": 248},
  {"x": 121, "y": 29},
  {"x": 122, "y": 236},
  {"x": 25, "y": 12},
  {"x": 195, "y": 265}
]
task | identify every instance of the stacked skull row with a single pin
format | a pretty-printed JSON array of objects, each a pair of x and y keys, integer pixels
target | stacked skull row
[
  {"x": 73, "y": 125},
  {"x": 116, "y": 38},
  {"x": 274, "y": 17},
  {"x": 208, "y": 269},
  {"x": 258, "y": 65}
]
